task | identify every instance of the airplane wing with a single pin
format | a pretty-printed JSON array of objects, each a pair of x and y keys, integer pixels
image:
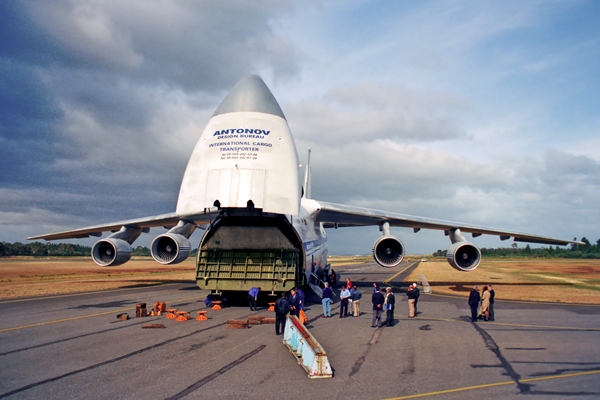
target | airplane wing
[
  {"x": 166, "y": 220},
  {"x": 339, "y": 215}
]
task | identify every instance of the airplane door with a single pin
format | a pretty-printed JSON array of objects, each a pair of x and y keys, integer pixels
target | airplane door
[{"x": 234, "y": 187}]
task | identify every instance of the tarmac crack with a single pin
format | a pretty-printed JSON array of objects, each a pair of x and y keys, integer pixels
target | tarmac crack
[
  {"x": 215, "y": 374},
  {"x": 361, "y": 359},
  {"x": 108, "y": 362}
]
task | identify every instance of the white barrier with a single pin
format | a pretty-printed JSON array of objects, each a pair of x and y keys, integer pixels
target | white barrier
[{"x": 306, "y": 349}]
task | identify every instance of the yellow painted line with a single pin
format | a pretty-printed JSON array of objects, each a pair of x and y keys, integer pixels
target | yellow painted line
[
  {"x": 494, "y": 385},
  {"x": 394, "y": 276},
  {"x": 86, "y": 316},
  {"x": 84, "y": 293}
]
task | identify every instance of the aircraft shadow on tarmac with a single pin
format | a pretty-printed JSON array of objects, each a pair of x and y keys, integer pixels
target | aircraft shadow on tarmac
[
  {"x": 523, "y": 386},
  {"x": 468, "y": 286}
]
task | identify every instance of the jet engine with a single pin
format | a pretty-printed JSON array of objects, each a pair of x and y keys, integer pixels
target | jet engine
[
  {"x": 174, "y": 246},
  {"x": 170, "y": 248},
  {"x": 110, "y": 252},
  {"x": 388, "y": 251},
  {"x": 464, "y": 256}
]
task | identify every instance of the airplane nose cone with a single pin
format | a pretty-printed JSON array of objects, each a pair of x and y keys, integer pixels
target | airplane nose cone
[{"x": 251, "y": 94}]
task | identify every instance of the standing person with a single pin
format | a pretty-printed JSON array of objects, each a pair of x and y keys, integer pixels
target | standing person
[
  {"x": 282, "y": 307},
  {"x": 253, "y": 297},
  {"x": 484, "y": 309},
  {"x": 492, "y": 294},
  {"x": 295, "y": 302},
  {"x": 349, "y": 287},
  {"x": 377, "y": 299},
  {"x": 356, "y": 296},
  {"x": 344, "y": 296},
  {"x": 326, "y": 300},
  {"x": 474, "y": 298},
  {"x": 411, "y": 301},
  {"x": 417, "y": 294},
  {"x": 209, "y": 299},
  {"x": 301, "y": 296},
  {"x": 390, "y": 304},
  {"x": 374, "y": 288}
]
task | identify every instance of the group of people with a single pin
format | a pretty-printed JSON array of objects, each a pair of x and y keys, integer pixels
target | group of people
[
  {"x": 382, "y": 302},
  {"x": 283, "y": 306},
  {"x": 349, "y": 297},
  {"x": 482, "y": 305}
]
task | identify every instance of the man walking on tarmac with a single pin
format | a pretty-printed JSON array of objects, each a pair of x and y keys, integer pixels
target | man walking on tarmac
[
  {"x": 282, "y": 307},
  {"x": 253, "y": 297}
]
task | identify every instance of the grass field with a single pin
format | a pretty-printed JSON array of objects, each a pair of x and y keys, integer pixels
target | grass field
[
  {"x": 573, "y": 281},
  {"x": 20, "y": 277}
]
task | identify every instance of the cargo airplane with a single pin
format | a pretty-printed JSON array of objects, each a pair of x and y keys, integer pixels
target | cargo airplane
[{"x": 242, "y": 185}]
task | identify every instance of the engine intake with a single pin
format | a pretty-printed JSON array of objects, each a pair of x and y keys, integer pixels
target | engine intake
[
  {"x": 110, "y": 252},
  {"x": 388, "y": 251},
  {"x": 170, "y": 248},
  {"x": 464, "y": 256}
]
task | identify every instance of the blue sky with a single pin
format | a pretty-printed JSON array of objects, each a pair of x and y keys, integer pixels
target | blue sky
[{"x": 481, "y": 112}]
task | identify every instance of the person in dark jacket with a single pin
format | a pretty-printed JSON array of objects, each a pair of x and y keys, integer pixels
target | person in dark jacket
[
  {"x": 296, "y": 301},
  {"x": 209, "y": 299},
  {"x": 492, "y": 294},
  {"x": 474, "y": 298},
  {"x": 332, "y": 278},
  {"x": 377, "y": 299},
  {"x": 417, "y": 294},
  {"x": 326, "y": 300},
  {"x": 390, "y": 304},
  {"x": 282, "y": 307},
  {"x": 412, "y": 293}
]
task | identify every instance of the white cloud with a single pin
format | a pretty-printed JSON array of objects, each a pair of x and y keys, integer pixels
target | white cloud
[
  {"x": 370, "y": 111},
  {"x": 442, "y": 109}
]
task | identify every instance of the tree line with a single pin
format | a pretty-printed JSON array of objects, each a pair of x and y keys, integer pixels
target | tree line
[
  {"x": 38, "y": 249},
  {"x": 586, "y": 250}
]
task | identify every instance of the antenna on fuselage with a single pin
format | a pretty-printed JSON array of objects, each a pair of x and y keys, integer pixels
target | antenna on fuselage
[{"x": 307, "y": 181}]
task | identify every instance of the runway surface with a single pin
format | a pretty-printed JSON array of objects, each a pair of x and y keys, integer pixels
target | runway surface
[{"x": 73, "y": 347}]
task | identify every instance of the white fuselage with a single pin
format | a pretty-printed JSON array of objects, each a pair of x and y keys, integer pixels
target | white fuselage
[{"x": 313, "y": 236}]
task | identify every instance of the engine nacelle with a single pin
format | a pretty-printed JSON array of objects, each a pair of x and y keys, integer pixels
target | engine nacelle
[
  {"x": 110, "y": 252},
  {"x": 170, "y": 248},
  {"x": 388, "y": 251},
  {"x": 464, "y": 256}
]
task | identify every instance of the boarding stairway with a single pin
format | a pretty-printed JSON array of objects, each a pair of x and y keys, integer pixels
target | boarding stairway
[{"x": 316, "y": 283}]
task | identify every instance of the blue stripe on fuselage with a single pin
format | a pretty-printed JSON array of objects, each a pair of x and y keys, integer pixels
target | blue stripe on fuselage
[{"x": 314, "y": 244}]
